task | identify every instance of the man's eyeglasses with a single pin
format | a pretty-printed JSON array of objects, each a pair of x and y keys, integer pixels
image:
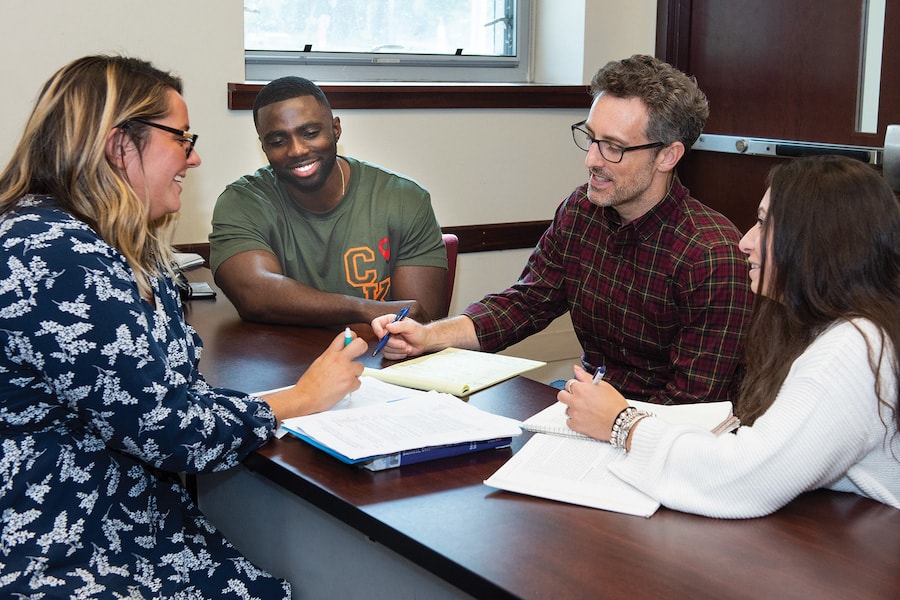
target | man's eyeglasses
[
  {"x": 186, "y": 136},
  {"x": 608, "y": 151}
]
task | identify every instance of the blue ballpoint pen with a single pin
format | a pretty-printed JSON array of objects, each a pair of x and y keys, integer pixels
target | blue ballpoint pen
[
  {"x": 403, "y": 312},
  {"x": 598, "y": 374}
]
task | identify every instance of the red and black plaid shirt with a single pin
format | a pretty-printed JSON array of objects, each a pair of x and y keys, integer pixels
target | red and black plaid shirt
[{"x": 663, "y": 301}]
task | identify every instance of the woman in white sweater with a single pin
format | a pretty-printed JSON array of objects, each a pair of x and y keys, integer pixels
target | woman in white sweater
[{"x": 819, "y": 401}]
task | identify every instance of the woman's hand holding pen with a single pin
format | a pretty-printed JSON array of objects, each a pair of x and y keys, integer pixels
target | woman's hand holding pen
[
  {"x": 591, "y": 406},
  {"x": 333, "y": 375}
]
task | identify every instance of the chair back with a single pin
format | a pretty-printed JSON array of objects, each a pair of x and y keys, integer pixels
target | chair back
[{"x": 451, "y": 243}]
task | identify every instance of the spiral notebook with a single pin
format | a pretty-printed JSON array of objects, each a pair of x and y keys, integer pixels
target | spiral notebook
[{"x": 716, "y": 416}]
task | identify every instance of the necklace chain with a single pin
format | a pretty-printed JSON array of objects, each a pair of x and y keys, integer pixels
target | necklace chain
[{"x": 341, "y": 169}]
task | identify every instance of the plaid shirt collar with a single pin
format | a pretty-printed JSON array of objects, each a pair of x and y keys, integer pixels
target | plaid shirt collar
[{"x": 649, "y": 223}]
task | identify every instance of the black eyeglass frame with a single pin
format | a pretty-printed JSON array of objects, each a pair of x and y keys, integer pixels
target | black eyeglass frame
[
  {"x": 190, "y": 138},
  {"x": 593, "y": 140}
]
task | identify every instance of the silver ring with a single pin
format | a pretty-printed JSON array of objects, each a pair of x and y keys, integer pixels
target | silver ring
[{"x": 569, "y": 385}]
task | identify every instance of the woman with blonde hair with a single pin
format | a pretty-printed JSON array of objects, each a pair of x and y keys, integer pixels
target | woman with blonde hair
[
  {"x": 101, "y": 403},
  {"x": 819, "y": 402}
]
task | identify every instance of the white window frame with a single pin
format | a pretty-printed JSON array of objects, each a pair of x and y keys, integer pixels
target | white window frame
[{"x": 262, "y": 65}]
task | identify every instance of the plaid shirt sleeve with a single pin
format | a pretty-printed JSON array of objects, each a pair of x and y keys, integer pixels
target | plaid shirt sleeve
[{"x": 538, "y": 297}]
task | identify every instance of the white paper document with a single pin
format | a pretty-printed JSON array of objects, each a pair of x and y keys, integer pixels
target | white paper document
[
  {"x": 574, "y": 471},
  {"x": 382, "y": 418}
]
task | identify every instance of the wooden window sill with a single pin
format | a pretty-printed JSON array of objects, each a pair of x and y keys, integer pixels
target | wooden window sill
[{"x": 432, "y": 95}]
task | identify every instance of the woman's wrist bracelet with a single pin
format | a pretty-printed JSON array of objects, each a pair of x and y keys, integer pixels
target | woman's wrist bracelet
[
  {"x": 622, "y": 426},
  {"x": 617, "y": 424}
]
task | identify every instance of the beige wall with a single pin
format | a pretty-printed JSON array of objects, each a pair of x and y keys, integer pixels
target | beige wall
[{"x": 481, "y": 166}]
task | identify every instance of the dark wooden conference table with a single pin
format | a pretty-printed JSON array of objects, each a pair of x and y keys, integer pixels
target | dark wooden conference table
[{"x": 305, "y": 516}]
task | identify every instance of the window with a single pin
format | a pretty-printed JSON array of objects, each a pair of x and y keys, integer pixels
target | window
[{"x": 387, "y": 40}]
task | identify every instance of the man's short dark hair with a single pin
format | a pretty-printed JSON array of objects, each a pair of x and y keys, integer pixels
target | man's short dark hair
[
  {"x": 286, "y": 88},
  {"x": 676, "y": 106}
]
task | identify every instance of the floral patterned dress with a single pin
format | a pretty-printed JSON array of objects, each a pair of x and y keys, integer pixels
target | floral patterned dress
[{"x": 101, "y": 405}]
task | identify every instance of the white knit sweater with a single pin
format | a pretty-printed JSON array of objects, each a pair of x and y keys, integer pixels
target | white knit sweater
[{"x": 824, "y": 430}]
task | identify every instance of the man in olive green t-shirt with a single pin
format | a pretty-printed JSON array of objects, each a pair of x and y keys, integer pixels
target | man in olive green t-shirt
[{"x": 320, "y": 239}]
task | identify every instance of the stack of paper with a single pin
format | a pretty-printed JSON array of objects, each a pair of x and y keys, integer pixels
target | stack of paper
[
  {"x": 188, "y": 260},
  {"x": 383, "y": 425}
]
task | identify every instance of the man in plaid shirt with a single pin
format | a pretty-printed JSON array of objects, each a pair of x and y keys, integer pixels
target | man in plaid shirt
[{"x": 655, "y": 283}]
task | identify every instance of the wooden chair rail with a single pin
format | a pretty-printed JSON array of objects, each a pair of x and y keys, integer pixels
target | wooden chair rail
[{"x": 472, "y": 238}]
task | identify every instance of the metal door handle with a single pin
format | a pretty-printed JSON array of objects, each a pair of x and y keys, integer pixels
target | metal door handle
[{"x": 891, "y": 159}]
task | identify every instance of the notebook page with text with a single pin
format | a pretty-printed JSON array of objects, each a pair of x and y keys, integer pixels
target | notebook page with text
[{"x": 571, "y": 470}]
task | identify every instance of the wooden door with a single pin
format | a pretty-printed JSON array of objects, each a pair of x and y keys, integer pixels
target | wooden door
[{"x": 773, "y": 69}]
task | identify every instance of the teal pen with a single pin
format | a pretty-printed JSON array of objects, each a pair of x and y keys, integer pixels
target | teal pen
[{"x": 348, "y": 337}]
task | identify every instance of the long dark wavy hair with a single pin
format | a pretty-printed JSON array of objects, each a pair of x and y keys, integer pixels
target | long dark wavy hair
[{"x": 833, "y": 226}]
